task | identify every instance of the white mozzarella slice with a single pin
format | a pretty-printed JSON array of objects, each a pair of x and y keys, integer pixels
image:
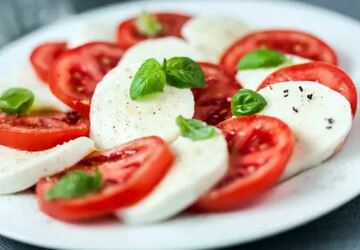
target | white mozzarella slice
[
  {"x": 20, "y": 169},
  {"x": 199, "y": 165},
  {"x": 26, "y": 78},
  {"x": 116, "y": 119},
  {"x": 96, "y": 30},
  {"x": 160, "y": 49},
  {"x": 319, "y": 117},
  {"x": 252, "y": 78},
  {"x": 213, "y": 34}
]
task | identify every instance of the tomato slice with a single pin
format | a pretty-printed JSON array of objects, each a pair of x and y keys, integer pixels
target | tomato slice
[
  {"x": 287, "y": 41},
  {"x": 43, "y": 57},
  {"x": 212, "y": 103},
  {"x": 77, "y": 72},
  {"x": 127, "y": 35},
  {"x": 129, "y": 172},
  {"x": 324, "y": 73},
  {"x": 259, "y": 149},
  {"x": 40, "y": 131}
]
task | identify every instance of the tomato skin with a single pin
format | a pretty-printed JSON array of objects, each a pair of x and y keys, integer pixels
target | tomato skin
[
  {"x": 130, "y": 172},
  {"x": 324, "y": 73},
  {"x": 43, "y": 57},
  {"x": 41, "y": 131},
  {"x": 287, "y": 41},
  {"x": 77, "y": 72},
  {"x": 259, "y": 148},
  {"x": 213, "y": 103},
  {"x": 172, "y": 23}
]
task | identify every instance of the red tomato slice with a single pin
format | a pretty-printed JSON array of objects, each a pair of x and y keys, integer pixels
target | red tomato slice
[
  {"x": 287, "y": 41},
  {"x": 324, "y": 73},
  {"x": 172, "y": 23},
  {"x": 129, "y": 172},
  {"x": 212, "y": 103},
  {"x": 77, "y": 72},
  {"x": 259, "y": 149},
  {"x": 43, "y": 57},
  {"x": 41, "y": 131}
]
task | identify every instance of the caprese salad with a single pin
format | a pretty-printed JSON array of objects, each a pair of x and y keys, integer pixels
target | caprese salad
[{"x": 170, "y": 112}]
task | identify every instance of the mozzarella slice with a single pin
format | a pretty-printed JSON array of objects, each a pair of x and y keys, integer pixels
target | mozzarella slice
[
  {"x": 116, "y": 119},
  {"x": 160, "y": 49},
  {"x": 26, "y": 78},
  {"x": 319, "y": 117},
  {"x": 252, "y": 78},
  {"x": 95, "y": 30},
  {"x": 199, "y": 165},
  {"x": 20, "y": 169},
  {"x": 213, "y": 34}
]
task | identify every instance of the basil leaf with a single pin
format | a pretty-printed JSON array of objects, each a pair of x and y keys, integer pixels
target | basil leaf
[
  {"x": 147, "y": 25},
  {"x": 261, "y": 58},
  {"x": 76, "y": 183},
  {"x": 149, "y": 79},
  {"x": 247, "y": 102},
  {"x": 16, "y": 100},
  {"x": 195, "y": 129},
  {"x": 182, "y": 72}
]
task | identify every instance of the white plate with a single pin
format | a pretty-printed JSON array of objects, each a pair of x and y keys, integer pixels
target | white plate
[{"x": 290, "y": 204}]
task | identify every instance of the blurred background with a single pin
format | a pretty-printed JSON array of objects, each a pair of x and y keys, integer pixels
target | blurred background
[
  {"x": 338, "y": 230},
  {"x": 18, "y": 17}
]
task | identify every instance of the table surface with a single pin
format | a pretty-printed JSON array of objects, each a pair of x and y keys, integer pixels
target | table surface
[{"x": 338, "y": 230}]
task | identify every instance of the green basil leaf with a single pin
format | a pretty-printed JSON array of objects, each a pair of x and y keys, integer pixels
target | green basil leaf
[
  {"x": 182, "y": 72},
  {"x": 16, "y": 100},
  {"x": 147, "y": 25},
  {"x": 149, "y": 79},
  {"x": 261, "y": 58},
  {"x": 195, "y": 129},
  {"x": 76, "y": 183},
  {"x": 247, "y": 102}
]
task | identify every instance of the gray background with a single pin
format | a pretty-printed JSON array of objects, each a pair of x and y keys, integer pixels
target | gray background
[{"x": 335, "y": 231}]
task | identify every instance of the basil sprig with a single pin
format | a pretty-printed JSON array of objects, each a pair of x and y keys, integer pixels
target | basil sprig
[
  {"x": 247, "y": 102},
  {"x": 261, "y": 58},
  {"x": 147, "y": 25},
  {"x": 179, "y": 72},
  {"x": 77, "y": 183},
  {"x": 195, "y": 129},
  {"x": 149, "y": 79},
  {"x": 16, "y": 100},
  {"x": 182, "y": 72}
]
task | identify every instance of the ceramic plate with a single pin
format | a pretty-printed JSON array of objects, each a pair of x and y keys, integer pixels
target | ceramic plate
[{"x": 290, "y": 204}]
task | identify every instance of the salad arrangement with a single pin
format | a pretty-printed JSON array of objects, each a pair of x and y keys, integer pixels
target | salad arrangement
[{"x": 180, "y": 113}]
